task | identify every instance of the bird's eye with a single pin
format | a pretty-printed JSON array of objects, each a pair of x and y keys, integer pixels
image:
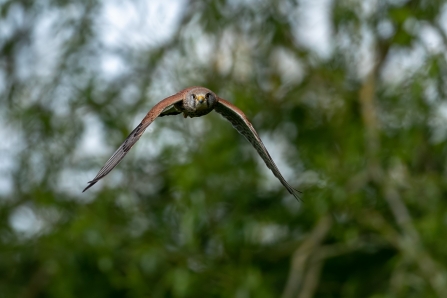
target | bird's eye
[
  {"x": 193, "y": 96},
  {"x": 208, "y": 95}
]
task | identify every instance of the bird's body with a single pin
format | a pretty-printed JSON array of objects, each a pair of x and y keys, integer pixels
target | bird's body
[
  {"x": 200, "y": 102},
  {"x": 195, "y": 102}
]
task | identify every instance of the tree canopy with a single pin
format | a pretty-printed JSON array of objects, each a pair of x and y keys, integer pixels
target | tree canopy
[{"x": 348, "y": 96}]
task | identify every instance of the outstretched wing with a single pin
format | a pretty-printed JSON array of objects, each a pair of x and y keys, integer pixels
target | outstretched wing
[
  {"x": 245, "y": 128},
  {"x": 135, "y": 135}
]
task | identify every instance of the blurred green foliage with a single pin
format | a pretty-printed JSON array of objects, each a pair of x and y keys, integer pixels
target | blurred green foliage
[{"x": 360, "y": 127}]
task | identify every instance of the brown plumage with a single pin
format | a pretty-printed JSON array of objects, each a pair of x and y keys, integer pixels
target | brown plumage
[{"x": 195, "y": 102}]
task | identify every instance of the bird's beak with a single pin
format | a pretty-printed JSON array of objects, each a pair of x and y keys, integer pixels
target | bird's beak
[{"x": 200, "y": 98}]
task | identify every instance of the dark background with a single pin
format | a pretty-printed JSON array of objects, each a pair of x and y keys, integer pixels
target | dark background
[{"x": 349, "y": 97}]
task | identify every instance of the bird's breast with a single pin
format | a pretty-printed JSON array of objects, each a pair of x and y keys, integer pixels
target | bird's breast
[{"x": 195, "y": 110}]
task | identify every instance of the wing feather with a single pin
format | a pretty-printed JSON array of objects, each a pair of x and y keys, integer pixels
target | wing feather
[
  {"x": 240, "y": 122},
  {"x": 135, "y": 135},
  {"x": 169, "y": 111}
]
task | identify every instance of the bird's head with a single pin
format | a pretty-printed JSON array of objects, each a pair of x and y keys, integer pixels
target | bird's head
[{"x": 200, "y": 98}]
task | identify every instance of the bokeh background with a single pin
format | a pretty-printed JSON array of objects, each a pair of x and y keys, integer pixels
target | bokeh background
[{"x": 348, "y": 96}]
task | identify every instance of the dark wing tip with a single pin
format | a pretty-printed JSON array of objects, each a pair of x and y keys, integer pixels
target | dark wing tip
[
  {"x": 91, "y": 183},
  {"x": 297, "y": 194}
]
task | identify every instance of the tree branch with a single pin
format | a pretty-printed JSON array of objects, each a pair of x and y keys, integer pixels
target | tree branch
[
  {"x": 301, "y": 256},
  {"x": 408, "y": 241}
]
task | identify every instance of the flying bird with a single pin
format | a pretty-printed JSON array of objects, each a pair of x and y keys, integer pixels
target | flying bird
[{"x": 195, "y": 102}]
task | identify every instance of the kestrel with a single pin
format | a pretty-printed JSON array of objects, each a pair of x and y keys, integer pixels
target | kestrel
[{"x": 195, "y": 102}]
